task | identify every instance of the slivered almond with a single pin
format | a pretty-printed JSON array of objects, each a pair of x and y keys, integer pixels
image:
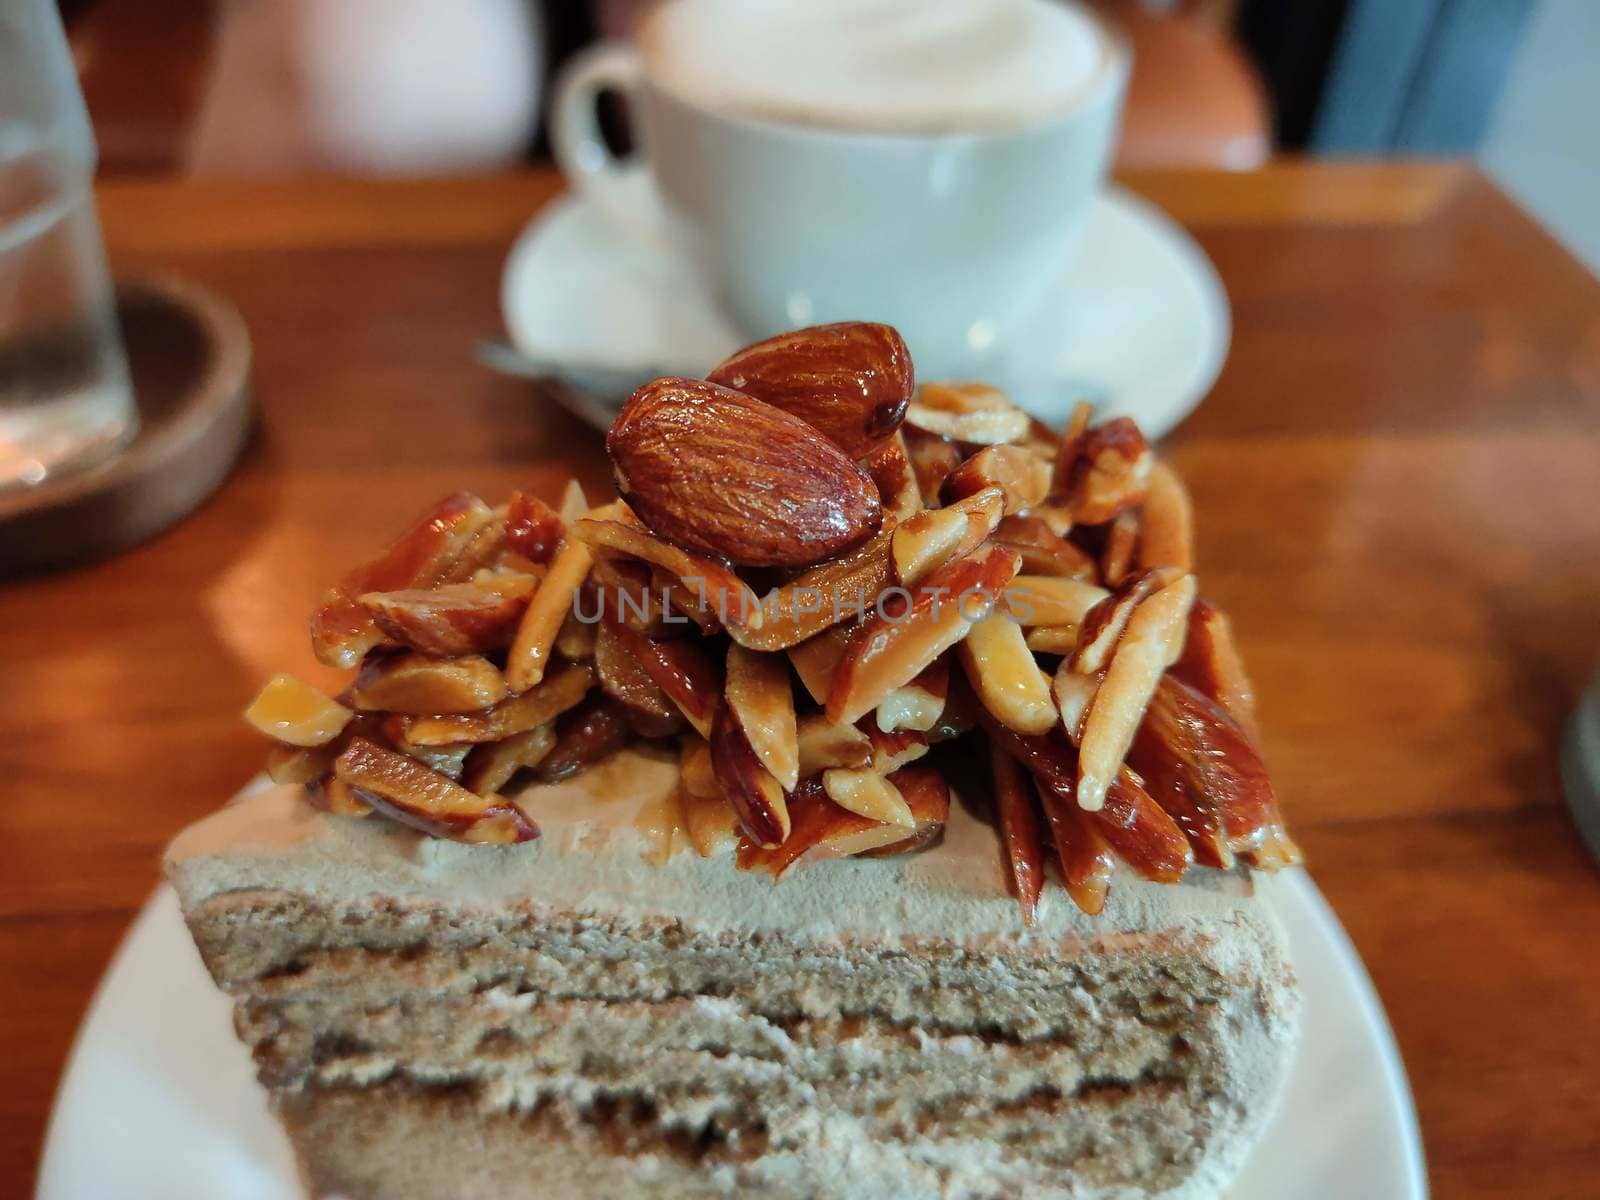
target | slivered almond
[
  {"x": 920, "y": 704},
  {"x": 868, "y": 794},
  {"x": 1151, "y": 643},
  {"x": 1073, "y": 694},
  {"x": 762, "y": 700},
  {"x": 1166, "y": 521},
  {"x": 342, "y": 630},
  {"x": 1052, "y": 639},
  {"x": 824, "y": 744},
  {"x": 456, "y": 618},
  {"x": 1044, "y": 551},
  {"x": 529, "y": 656},
  {"x": 595, "y": 729},
  {"x": 291, "y": 711},
  {"x": 1023, "y": 477},
  {"x": 412, "y": 683},
  {"x": 722, "y": 591},
  {"x": 756, "y": 796},
  {"x": 932, "y": 538},
  {"x": 1005, "y": 677},
  {"x": 1043, "y": 600},
  {"x": 1082, "y": 852},
  {"x": 575, "y": 639},
  {"x": 713, "y": 826},
  {"x": 1212, "y": 665},
  {"x": 932, "y": 459},
  {"x": 887, "y": 653},
  {"x": 893, "y": 750},
  {"x": 336, "y": 796},
  {"x": 890, "y": 468},
  {"x": 1102, "y": 625},
  {"x": 817, "y": 659},
  {"x": 563, "y": 689},
  {"x": 968, "y": 412},
  {"x": 624, "y": 675},
  {"x": 407, "y": 791},
  {"x": 684, "y": 670},
  {"x": 1122, "y": 541},
  {"x": 1021, "y": 834},
  {"x": 823, "y": 596},
  {"x": 490, "y": 767},
  {"x": 1110, "y": 473},
  {"x": 292, "y": 765}
]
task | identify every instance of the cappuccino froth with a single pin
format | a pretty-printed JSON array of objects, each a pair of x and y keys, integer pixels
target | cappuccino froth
[{"x": 891, "y": 66}]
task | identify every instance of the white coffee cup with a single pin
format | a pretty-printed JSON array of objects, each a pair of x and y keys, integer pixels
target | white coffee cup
[{"x": 812, "y": 189}]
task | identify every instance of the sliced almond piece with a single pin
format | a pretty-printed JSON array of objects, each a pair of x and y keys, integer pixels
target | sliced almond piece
[
  {"x": 928, "y": 797},
  {"x": 817, "y": 659},
  {"x": 887, "y": 653},
  {"x": 409, "y": 792},
  {"x": 625, "y": 592},
  {"x": 1141, "y": 832},
  {"x": 1111, "y": 472},
  {"x": 1002, "y": 672},
  {"x": 1102, "y": 625},
  {"x": 1070, "y": 444},
  {"x": 932, "y": 459},
  {"x": 1021, "y": 834},
  {"x": 1023, "y": 477},
  {"x": 1052, "y": 639},
  {"x": 1082, "y": 852},
  {"x": 755, "y": 794},
  {"x": 1212, "y": 665},
  {"x": 720, "y": 589},
  {"x": 342, "y": 629},
  {"x": 576, "y": 637},
  {"x": 868, "y": 794},
  {"x": 1043, "y": 600},
  {"x": 623, "y": 675},
  {"x": 533, "y": 529},
  {"x": 416, "y": 684},
  {"x": 1152, "y": 642},
  {"x": 490, "y": 767},
  {"x": 683, "y": 669},
  {"x": 456, "y": 618},
  {"x": 596, "y": 729},
  {"x": 291, "y": 711},
  {"x": 1122, "y": 541},
  {"x": 893, "y": 750},
  {"x": 967, "y": 412},
  {"x": 840, "y": 590},
  {"x": 824, "y": 744},
  {"x": 1073, "y": 694},
  {"x": 890, "y": 468},
  {"x": 529, "y": 657},
  {"x": 337, "y": 797},
  {"x": 291, "y": 765},
  {"x": 762, "y": 700},
  {"x": 574, "y": 505},
  {"x": 1166, "y": 521},
  {"x": 565, "y": 687},
  {"x": 1044, "y": 551},
  {"x": 930, "y": 539},
  {"x": 662, "y": 821},
  {"x": 917, "y": 705}
]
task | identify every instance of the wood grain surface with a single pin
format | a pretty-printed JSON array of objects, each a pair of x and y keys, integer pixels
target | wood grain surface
[{"x": 1398, "y": 484}]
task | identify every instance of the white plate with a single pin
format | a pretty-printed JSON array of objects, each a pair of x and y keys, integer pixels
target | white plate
[
  {"x": 159, "y": 1101},
  {"x": 1138, "y": 324}
]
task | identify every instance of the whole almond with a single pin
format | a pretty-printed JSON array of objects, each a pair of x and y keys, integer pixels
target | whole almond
[
  {"x": 722, "y": 473},
  {"x": 852, "y": 380}
]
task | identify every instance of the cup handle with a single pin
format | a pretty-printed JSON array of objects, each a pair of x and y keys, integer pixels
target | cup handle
[{"x": 620, "y": 187}]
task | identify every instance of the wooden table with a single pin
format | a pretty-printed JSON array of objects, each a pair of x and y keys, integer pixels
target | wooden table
[{"x": 1398, "y": 481}]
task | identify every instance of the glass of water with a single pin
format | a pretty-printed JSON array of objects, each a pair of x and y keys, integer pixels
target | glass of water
[{"x": 65, "y": 402}]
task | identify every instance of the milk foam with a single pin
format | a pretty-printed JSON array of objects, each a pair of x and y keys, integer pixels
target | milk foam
[{"x": 887, "y": 65}]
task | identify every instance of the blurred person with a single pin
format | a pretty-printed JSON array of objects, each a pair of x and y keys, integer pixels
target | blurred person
[{"x": 369, "y": 87}]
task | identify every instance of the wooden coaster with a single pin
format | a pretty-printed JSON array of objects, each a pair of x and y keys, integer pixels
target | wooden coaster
[{"x": 189, "y": 357}]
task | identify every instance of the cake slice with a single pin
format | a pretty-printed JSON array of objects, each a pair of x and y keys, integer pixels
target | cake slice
[
  {"x": 572, "y": 1018},
  {"x": 864, "y": 804}
]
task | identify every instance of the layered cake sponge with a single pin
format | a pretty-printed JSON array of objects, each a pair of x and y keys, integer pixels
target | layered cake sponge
[{"x": 599, "y": 1013}]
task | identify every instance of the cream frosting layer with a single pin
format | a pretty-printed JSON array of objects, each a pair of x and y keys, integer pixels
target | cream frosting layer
[{"x": 591, "y": 858}]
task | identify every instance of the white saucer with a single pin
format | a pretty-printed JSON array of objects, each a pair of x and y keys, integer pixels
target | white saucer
[
  {"x": 1139, "y": 323},
  {"x": 159, "y": 1101}
]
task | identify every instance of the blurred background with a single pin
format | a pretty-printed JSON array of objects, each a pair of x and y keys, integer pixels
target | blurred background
[{"x": 262, "y": 88}]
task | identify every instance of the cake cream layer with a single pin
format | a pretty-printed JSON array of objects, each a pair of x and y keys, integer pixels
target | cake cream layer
[
  {"x": 592, "y": 857},
  {"x": 565, "y": 1019}
]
